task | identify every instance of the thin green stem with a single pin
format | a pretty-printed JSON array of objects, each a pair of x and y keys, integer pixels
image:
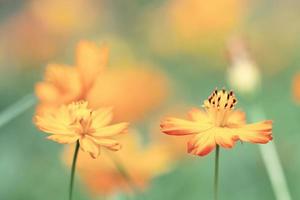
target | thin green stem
[
  {"x": 216, "y": 173},
  {"x": 73, "y": 170}
]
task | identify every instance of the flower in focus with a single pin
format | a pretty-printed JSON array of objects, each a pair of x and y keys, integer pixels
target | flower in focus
[
  {"x": 217, "y": 124},
  {"x": 141, "y": 163},
  {"x": 76, "y": 122},
  {"x": 64, "y": 84},
  {"x": 296, "y": 87}
]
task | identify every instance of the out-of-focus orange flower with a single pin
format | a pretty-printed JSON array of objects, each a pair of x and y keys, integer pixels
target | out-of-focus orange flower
[
  {"x": 26, "y": 41},
  {"x": 141, "y": 163},
  {"x": 76, "y": 122},
  {"x": 132, "y": 92},
  {"x": 64, "y": 84},
  {"x": 296, "y": 87},
  {"x": 217, "y": 124},
  {"x": 193, "y": 25},
  {"x": 61, "y": 16}
]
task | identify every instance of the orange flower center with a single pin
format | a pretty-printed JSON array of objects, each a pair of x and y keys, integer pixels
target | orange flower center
[{"x": 219, "y": 106}]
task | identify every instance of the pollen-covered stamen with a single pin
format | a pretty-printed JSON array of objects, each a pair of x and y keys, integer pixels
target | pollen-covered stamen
[{"x": 219, "y": 106}]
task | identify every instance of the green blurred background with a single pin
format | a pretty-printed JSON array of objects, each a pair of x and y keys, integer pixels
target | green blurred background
[{"x": 34, "y": 33}]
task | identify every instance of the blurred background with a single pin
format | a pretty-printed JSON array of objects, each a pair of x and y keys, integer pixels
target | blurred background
[{"x": 166, "y": 56}]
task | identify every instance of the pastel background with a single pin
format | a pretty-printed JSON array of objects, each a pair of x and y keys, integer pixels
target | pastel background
[{"x": 165, "y": 58}]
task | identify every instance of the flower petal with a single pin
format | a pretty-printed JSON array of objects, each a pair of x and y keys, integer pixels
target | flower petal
[
  {"x": 198, "y": 115},
  {"x": 108, "y": 143},
  {"x": 237, "y": 117},
  {"x": 102, "y": 117},
  {"x": 111, "y": 130},
  {"x": 225, "y": 137},
  {"x": 202, "y": 144},
  {"x": 63, "y": 139},
  {"x": 260, "y": 132},
  {"x": 88, "y": 145},
  {"x": 91, "y": 60},
  {"x": 175, "y": 126}
]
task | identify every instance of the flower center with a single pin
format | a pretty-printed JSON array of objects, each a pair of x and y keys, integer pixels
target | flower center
[{"x": 219, "y": 106}]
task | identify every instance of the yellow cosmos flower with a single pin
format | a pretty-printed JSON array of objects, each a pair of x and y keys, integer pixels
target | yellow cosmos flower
[
  {"x": 217, "y": 124},
  {"x": 141, "y": 163},
  {"x": 76, "y": 122}
]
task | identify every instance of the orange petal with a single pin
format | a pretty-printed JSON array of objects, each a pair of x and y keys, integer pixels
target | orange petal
[
  {"x": 46, "y": 92},
  {"x": 111, "y": 130},
  {"x": 260, "y": 132},
  {"x": 91, "y": 60},
  {"x": 225, "y": 137},
  {"x": 202, "y": 144},
  {"x": 198, "y": 115},
  {"x": 63, "y": 139},
  {"x": 237, "y": 117},
  {"x": 88, "y": 145},
  {"x": 175, "y": 126}
]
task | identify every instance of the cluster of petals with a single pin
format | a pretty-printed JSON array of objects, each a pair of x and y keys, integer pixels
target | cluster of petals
[
  {"x": 76, "y": 122},
  {"x": 217, "y": 124}
]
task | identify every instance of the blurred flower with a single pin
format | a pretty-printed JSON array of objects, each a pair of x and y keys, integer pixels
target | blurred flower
[
  {"x": 64, "y": 84},
  {"x": 131, "y": 91},
  {"x": 218, "y": 124},
  {"x": 243, "y": 74},
  {"x": 76, "y": 122},
  {"x": 296, "y": 87},
  {"x": 194, "y": 25},
  {"x": 62, "y": 16},
  {"x": 26, "y": 41},
  {"x": 141, "y": 163}
]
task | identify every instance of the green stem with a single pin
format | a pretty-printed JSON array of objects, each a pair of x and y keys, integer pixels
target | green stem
[
  {"x": 73, "y": 170},
  {"x": 216, "y": 173}
]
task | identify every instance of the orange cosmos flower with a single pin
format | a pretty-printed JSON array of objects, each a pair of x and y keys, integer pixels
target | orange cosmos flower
[
  {"x": 148, "y": 88},
  {"x": 296, "y": 87},
  {"x": 141, "y": 163},
  {"x": 64, "y": 84},
  {"x": 76, "y": 122},
  {"x": 217, "y": 124}
]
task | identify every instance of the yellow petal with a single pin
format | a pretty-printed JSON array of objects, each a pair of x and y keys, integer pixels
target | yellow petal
[
  {"x": 198, "y": 115},
  {"x": 102, "y": 117},
  {"x": 260, "y": 132},
  {"x": 237, "y": 117},
  {"x": 63, "y": 139},
  {"x": 225, "y": 137},
  {"x": 108, "y": 143},
  {"x": 88, "y": 145},
  {"x": 175, "y": 126},
  {"x": 111, "y": 130}
]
